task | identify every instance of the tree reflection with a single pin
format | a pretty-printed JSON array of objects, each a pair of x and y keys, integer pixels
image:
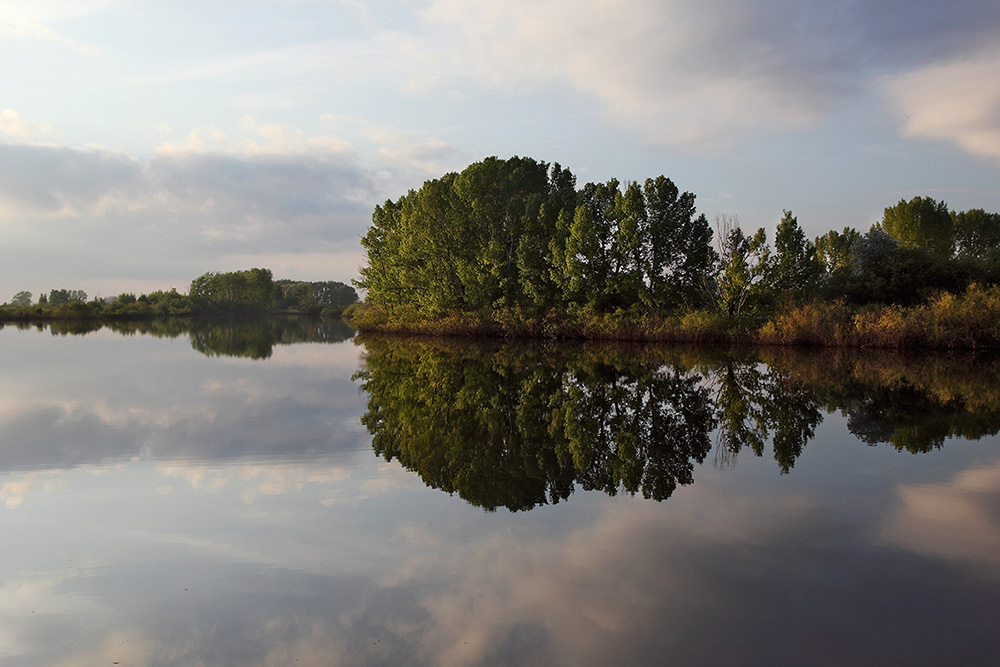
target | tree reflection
[
  {"x": 756, "y": 403},
  {"x": 913, "y": 402},
  {"x": 252, "y": 338},
  {"x": 519, "y": 425}
]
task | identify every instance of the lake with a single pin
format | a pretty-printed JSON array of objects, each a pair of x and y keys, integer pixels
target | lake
[{"x": 282, "y": 492}]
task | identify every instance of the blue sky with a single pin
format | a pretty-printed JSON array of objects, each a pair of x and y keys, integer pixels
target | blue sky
[{"x": 145, "y": 143}]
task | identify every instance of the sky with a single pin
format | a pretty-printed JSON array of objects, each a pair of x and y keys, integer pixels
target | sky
[{"x": 145, "y": 143}]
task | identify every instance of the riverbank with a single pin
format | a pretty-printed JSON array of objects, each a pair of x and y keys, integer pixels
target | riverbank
[{"x": 969, "y": 320}]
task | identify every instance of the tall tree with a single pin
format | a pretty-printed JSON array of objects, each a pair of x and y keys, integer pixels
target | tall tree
[
  {"x": 630, "y": 246},
  {"x": 976, "y": 233},
  {"x": 680, "y": 244},
  {"x": 795, "y": 267},
  {"x": 921, "y": 223},
  {"x": 833, "y": 249},
  {"x": 21, "y": 299},
  {"x": 743, "y": 266}
]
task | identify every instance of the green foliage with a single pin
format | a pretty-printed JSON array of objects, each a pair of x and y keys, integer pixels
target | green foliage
[
  {"x": 833, "y": 249},
  {"x": 61, "y": 296},
  {"x": 238, "y": 289},
  {"x": 21, "y": 299},
  {"x": 314, "y": 297},
  {"x": 923, "y": 223},
  {"x": 977, "y": 233},
  {"x": 516, "y": 234},
  {"x": 745, "y": 263},
  {"x": 796, "y": 267}
]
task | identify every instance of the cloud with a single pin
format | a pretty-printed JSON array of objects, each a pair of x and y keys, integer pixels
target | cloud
[
  {"x": 690, "y": 74},
  {"x": 52, "y": 181},
  {"x": 958, "y": 101},
  {"x": 12, "y": 126},
  {"x": 30, "y": 21},
  {"x": 249, "y": 202}
]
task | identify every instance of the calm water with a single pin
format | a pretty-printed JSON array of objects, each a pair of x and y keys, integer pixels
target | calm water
[{"x": 282, "y": 494}]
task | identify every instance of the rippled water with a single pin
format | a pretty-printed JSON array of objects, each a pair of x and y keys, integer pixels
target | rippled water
[{"x": 238, "y": 495}]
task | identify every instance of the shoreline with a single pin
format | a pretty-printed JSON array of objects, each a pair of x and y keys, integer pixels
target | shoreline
[{"x": 967, "y": 321}]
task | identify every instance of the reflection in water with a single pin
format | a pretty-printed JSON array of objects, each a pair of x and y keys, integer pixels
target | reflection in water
[
  {"x": 253, "y": 338},
  {"x": 160, "y": 507},
  {"x": 913, "y": 401},
  {"x": 519, "y": 426},
  {"x": 516, "y": 425}
]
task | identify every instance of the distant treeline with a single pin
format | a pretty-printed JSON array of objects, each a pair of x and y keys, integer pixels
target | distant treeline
[
  {"x": 253, "y": 291},
  {"x": 515, "y": 247}
]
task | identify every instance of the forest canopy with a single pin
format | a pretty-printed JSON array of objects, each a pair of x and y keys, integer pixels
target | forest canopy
[
  {"x": 518, "y": 243},
  {"x": 518, "y": 233}
]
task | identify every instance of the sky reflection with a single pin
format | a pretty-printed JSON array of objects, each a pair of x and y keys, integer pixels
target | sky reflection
[{"x": 165, "y": 508}]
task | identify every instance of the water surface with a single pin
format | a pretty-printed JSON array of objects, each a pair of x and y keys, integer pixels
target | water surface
[{"x": 280, "y": 493}]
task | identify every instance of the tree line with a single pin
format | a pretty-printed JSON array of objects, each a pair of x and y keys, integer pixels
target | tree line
[
  {"x": 517, "y": 239},
  {"x": 253, "y": 291}
]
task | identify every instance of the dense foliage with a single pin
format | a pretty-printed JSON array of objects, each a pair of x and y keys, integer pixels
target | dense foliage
[
  {"x": 518, "y": 234},
  {"x": 514, "y": 247},
  {"x": 250, "y": 292}
]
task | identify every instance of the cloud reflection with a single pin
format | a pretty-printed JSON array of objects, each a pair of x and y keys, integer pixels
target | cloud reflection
[{"x": 956, "y": 520}]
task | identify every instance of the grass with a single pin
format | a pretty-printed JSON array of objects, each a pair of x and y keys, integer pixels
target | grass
[{"x": 969, "y": 320}]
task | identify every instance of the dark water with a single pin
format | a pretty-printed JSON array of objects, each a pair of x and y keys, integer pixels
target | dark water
[{"x": 279, "y": 493}]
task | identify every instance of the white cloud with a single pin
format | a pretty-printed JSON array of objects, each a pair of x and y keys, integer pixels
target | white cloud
[
  {"x": 30, "y": 20},
  {"x": 955, "y": 520},
  {"x": 682, "y": 73},
  {"x": 12, "y": 125},
  {"x": 958, "y": 101},
  {"x": 13, "y": 492}
]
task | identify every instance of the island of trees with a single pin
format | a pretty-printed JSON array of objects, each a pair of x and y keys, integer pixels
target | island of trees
[
  {"x": 514, "y": 248},
  {"x": 252, "y": 292}
]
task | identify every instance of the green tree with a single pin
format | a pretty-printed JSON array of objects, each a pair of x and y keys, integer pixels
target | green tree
[
  {"x": 680, "y": 252},
  {"x": 833, "y": 249},
  {"x": 253, "y": 288},
  {"x": 743, "y": 266},
  {"x": 795, "y": 267},
  {"x": 21, "y": 299},
  {"x": 584, "y": 266},
  {"x": 630, "y": 246},
  {"x": 60, "y": 296},
  {"x": 592, "y": 237},
  {"x": 977, "y": 233},
  {"x": 921, "y": 223}
]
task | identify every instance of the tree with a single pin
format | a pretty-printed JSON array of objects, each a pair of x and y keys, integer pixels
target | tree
[
  {"x": 630, "y": 246},
  {"x": 921, "y": 223},
  {"x": 254, "y": 288},
  {"x": 796, "y": 267},
  {"x": 58, "y": 296},
  {"x": 680, "y": 253},
  {"x": 744, "y": 263},
  {"x": 976, "y": 233},
  {"x": 21, "y": 299},
  {"x": 872, "y": 252},
  {"x": 833, "y": 249}
]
